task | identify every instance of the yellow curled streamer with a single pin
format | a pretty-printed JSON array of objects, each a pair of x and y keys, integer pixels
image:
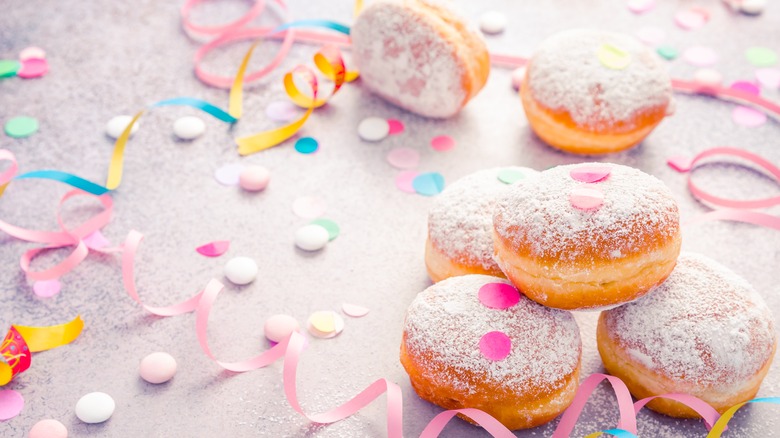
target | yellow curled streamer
[
  {"x": 235, "y": 106},
  {"x": 46, "y": 338},
  {"x": 118, "y": 157}
]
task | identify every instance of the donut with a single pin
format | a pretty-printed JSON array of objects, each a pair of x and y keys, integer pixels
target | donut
[
  {"x": 460, "y": 224},
  {"x": 595, "y": 92},
  {"x": 705, "y": 331},
  {"x": 587, "y": 236},
  {"x": 419, "y": 56},
  {"x": 475, "y": 342}
]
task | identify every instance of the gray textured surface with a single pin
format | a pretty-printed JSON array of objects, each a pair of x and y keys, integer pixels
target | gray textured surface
[{"x": 110, "y": 58}]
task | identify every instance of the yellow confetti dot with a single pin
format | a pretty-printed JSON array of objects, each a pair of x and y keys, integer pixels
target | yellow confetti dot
[{"x": 613, "y": 57}]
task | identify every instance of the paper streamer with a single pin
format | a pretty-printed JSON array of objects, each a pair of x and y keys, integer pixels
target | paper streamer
[{"x": 720, "y": 426}]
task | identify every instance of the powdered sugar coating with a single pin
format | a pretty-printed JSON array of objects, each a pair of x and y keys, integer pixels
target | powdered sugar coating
[
  {"x": 445, "y": 323},
  {"x": 565, "y": 75},
  {"x": 535, "y": 215},
  {"x": 460, "y": 222},
  {"x": 705, "y": 325},
  {"x": 402, "y": 57}
]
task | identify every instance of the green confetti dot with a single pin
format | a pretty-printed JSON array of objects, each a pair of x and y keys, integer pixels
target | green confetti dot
[
  {"x": 510, "y": 176},
  {"x": 332, "y": 227},
  {"x": 761, "y": 56},
  {"x": 20, "y": 127},
  {"x": 667, "y": 52},
  {"x": 9, "y": 68}
]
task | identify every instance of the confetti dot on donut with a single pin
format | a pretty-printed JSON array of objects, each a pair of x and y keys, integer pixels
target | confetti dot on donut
[
  {"x": 691, "y": 19},
  {"x": 33, "y": 68},
  {"x": 47, "y": 288},
  {"x": 668, "y": 53},
  {"x": 586, "y": 198},
  {"x": 590, "y": 174},
  {"x": 9, "y": 68},
  {"x": 745, "y": 86},
  {"x": 640, "y": 6},
  {"x": 442, "y": 143},
  {"x": 309, "y": 207},
  {"x": 11, "y": 404},
  {"x": 404, "y": 181},
  {"x": 495, "y": 345},
  {"x": 747, "y": 116},
  {"x": 613, "y": 57},
  {"x": 700, "y": 56},
  {"x": 403, "y": 158},
  {"x": 306, "y": 145},
  {"x": 428, "y": 184},
  {"x": 769, "y": 78},
  {"x": 498, "y": 295},
  {"x": 510, "y": 176},
  {"x": 396, "y": 126},
  {"x": 761, "y": 56}
]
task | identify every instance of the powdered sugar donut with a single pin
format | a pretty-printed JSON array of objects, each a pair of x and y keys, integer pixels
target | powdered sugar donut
[
  {"x": 419, "y": 55},
  {"x": 704, "y": 332},
  {"x": 586, "y": 236},
  {"x": 595, "y": 92},
  {"x": 516, "y": 360},
  {"x": 460, "y": 224}
]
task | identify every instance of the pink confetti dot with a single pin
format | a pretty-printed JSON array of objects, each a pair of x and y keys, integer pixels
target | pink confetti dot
[
  {"x": 747, "y": 87},
  {"x": 282, "y": 111},
  {"x": 33, "y": 68},
  {"x": 499, "y": 295},
  {"x": 309, "y": 207},
  {"x": 691, "y": 19},
  {"x": 495, "y": 345},
  {"x": 11, "y": 404},
  {"x": 586, "y": 198},
  {"x": 680, "y": 163},
  {"x": 214, "y": 249},
  {"x": 746, "y": 116},
  {"x": 590, "y": 174},
  {"x": 403, "y": 158},
  {"x": 48, "y": 428},
  {"x": 700, "y": 56},
  {"x": 652, "y": 36},
  {"x": 396, "y": 126},
  {"x": 229, "y": 174},
  {"x": 442, "y": 143},
  {"x": 640, "y": 6},
  {"x": 769, "y": 78},
  {"x": 47, "y": 288},
  {"x": 354, "y": 310},
  {"x": 404, "y": 181}
]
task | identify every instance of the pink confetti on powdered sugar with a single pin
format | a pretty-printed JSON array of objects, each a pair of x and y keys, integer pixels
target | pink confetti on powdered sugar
[
  {"x": 354, "y": 310},
  {"x": 498, "y": 295},
  {"x": 652, "y": 36},
  {"x": 214, "y": 249},
  {"x": 691, "y": 19},
  {"x": 11, "y": 404},
  {"x": 747, "y": 87},
  {"x": 442, "y": 143},
  {"x": 495, "y": 345},
  {"x": 47, "y": 288},
  {"x": 403, "y": 158},
  {"x": 769, "y": 78},
  {"x": 396, "y": 126},
  {"x": 747, "y": 116},
  {"x": 590, "y": 174},
  {"x": 640, "y": 6},
  {"x": 404, "y": 181},
  {"x": 309, "y": 207},
  {"x": 701, "y": 56},
  {"x": 586, "y": 198}
]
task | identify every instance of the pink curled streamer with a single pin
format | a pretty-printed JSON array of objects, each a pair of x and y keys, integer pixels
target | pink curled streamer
[
  {"x": 625, "y": 405},
  {"x": 705, "y": 411}
]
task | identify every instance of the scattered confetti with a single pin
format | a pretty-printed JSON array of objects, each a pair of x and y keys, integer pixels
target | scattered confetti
[
  {"x": 241, "y": 270},
  {"x": 396, "y": 126},
  {"x": 95, "y": 407},
  {"x": 228, "y": 174},
  {"x": 499, "y": 295},
  {"x": 311, "y": 237},
  {"x": 747, "y": 87},
  {"x": 11, "y": 404},
  {"x": 691, "y": 19},
  {"x": 96, "y": 240},
  {"x": 21, "y": 127},
  {"x": 640, "y": 6},
  {"x": 48, "y": 428},
  {"x": 214, "y": 249},
  {"x": 442, "y": 143},
  {"x": 309, "y": 207},
  {"x": 118, "y": 124},
  {"x": 590, "y": 174},
  {"x": 282, "y": 111},
  {"x": 652, "y": 36},
  {"x": 254, "y": 178},
  {"x": 354, "y": 310},
  {"x": 495, "y": 345},
  {"x": 278, "y": 327},
  {"x": 668, "y": 53},
  {"x": 492, "y": 22},
  {"x": 613, "y": 57},
  {"x": 325, "y": 324},
  {"x": 700, "y": 56},
  {"x": 33, "y": 68},
  {"x": 47, "y": 288},
  {"x": 769, "y": 78},
  {"x": 761, "y": 56},
  {"x": 428, "y": 184},
  {"x": 708, "y": 76},
  {"x": 373, "y": 129},
  {"x": 189, "y": 127},
  {"x": 586, "y": 198},
  {"x": 9, "y": 68},
  {"x": 510, "y": 176},
  {"x": 404, "y": 181},
  {"x": 32, "y": 52},
  {"x": 157, "y": 368},
  {"x": 403, "y": 158},
  {"x": 306, "y": 145},
  {"x": 518, "y": 75},
  {"x": 747, "y": 116},
  {"x": 331, "y": 226}
]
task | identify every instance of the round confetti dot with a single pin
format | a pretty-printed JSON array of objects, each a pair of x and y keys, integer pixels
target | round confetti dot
[
  {"x": 332, "y": 227},
  {"x": 518, "y": 75},
  {"x": 700, "y": 56},
  {"x": 691, "y": 19},
  {"x": 499, "y": 295},
  {"x": 403, "y": 158},
  {"x": 510, "y": 176},
  {"x": 492, "y": 22},
  {"x": 373, "y": 129},
  {"x": 586, "y": 198},
  {"x": 590, "y": 174},
  {"x": 708, "y": 76},
  {"x": 769, "y": 78},
  {"x": 21, "y": 127},
  {"x": 428, "y": 184},
  {"x": 404, "y": 181},
  {"x": 33, "y": 68},
  {"x": 241, "y": 270},
  {"x": 652, "y": 36},
  {"x": 229, "y": 174},
  {"x": 254, "y": 178},
  {"x": 282, "y": 111},
  {"x": 157, "y": 368},
  {"x": 668, "y": 53},
  {"x": 745, "y": 86},
  {"x": 640, "y": 6},
  {"x": 11, "y": 404},
  {"x": 214, "y": 249},
  {"x": 9, "y": 68},
  {"x": 761, "y": 56},
  {"x": 47, "y": 288},
  {"x": 278, "y": 327},
  {"x": 752, "y": 7},
  {"x": 325, "y": 324},
  {"x": 396, "y": 126},
  {"x": 32, "y": 52},
  {"x": 309, "y": 207},
  {"x": 354, "y": 310},
  {"x": 495, "y": 345},
  {"x": 311, "y": 237},
  {"x": 747, "y": 116},
  {"x": 118, "y": 124},
  {"x": 306, "y": 145},
  {"x": 95, "y": 407},
  {"x": 189, "y": 127},
  {"x": 442, "y": 143},
  {"x": 613, "y": 57},
  {"x": 48, "y": 428}
]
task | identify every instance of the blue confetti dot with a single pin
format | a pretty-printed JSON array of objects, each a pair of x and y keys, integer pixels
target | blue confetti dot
[
  {"x": 428, "y": 184},
  {"x": 306, "y": 145}
]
